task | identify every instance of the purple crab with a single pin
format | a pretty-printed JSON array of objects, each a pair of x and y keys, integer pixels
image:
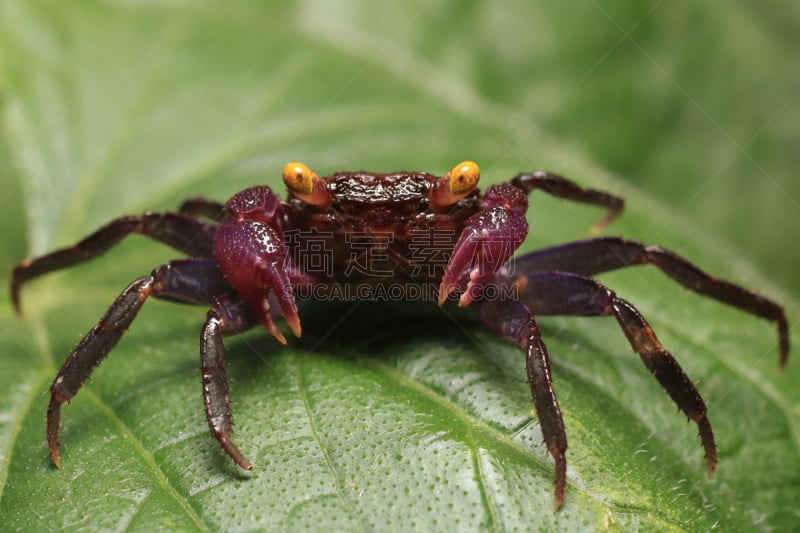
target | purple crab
[{"x": 250, "y": 257}]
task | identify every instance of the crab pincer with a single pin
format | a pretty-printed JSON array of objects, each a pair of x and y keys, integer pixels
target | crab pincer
[
  {"x": 488, "y": 240},
  {"x": 252, "y": 256}
]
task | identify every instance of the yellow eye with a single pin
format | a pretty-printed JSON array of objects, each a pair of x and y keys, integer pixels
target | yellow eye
[
  {"x": 464, "y": 177},
  {"x": 298, "y": 178}
]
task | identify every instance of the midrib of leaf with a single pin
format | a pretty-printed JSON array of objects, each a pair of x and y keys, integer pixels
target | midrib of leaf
[
  {"x": 486, "y": 495},
  {"x": 341, "y": 494},
  {"x": 128, "y": 435},
  {"x": 473, "y": 424}
]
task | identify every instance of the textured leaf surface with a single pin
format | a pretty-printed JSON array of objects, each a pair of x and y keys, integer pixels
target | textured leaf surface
[{"x": 382, "y": 416}]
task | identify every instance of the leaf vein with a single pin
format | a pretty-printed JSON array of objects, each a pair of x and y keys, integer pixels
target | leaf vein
[
  {"x": 338, "y": 483},
  {"x": 127, "y": 434}
]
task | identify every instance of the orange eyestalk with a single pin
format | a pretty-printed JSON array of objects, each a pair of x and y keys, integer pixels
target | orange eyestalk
[
  {"x": 455, "y": 185},
  {"x": 304, "y": 184}
]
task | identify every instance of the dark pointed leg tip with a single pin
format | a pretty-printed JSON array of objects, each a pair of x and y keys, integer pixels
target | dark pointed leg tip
[
  {"x": 711, "y": 466},
  {"x": 241, "y": 461},
  {"x": 783, "y": 341},
  {"x": 597, "y": 229},
  {"x": 15, "y": 302},
  {"x": 560, "y": 489},
  {"x": 558, "y": 503},
  {"x": 561, "y": 479},
  {"x": 234, "y": 453},
  {"x": 783, "y": 360},
  {"x": 52, "y": 445}
]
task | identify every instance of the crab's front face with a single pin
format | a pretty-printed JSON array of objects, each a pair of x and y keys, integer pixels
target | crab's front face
[
  {"x": 376, "y": 227},
  {"x": 380, "y": 203}
]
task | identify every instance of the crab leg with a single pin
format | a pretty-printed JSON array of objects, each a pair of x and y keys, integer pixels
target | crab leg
[
  {"x": 203, "y": 207},
  {"x": 590, "y": 257},
  {"x": 228, "y": 316},
  {"x": 561, "y": 187},
  {"x": 562, "y": 293},
  {"x": 178, "y": 231},
  {"x": 193, "y": 281},
  {"x": 513, "y": 321}
]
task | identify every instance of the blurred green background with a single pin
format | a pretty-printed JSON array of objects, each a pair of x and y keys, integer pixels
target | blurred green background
[{"x": 689, "y": 111}]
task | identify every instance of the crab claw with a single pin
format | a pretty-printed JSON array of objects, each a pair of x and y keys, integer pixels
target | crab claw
[
  {"x": 275, "y": 278},
  {"x": 252, "y": 256},
  {"x": 489, "y": 239}
]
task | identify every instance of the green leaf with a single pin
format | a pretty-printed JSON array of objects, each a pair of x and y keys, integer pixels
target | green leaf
[{"x": 382, "y": 416}]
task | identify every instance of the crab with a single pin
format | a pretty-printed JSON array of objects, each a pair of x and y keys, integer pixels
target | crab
[{"x": 251, "y": 258}]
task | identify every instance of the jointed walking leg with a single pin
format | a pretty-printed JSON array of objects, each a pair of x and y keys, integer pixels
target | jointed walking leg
[
  {"x": 194, "y": 281},
  {"x": 593, "y": 256},
  {"x": 183, "y": 233}
]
